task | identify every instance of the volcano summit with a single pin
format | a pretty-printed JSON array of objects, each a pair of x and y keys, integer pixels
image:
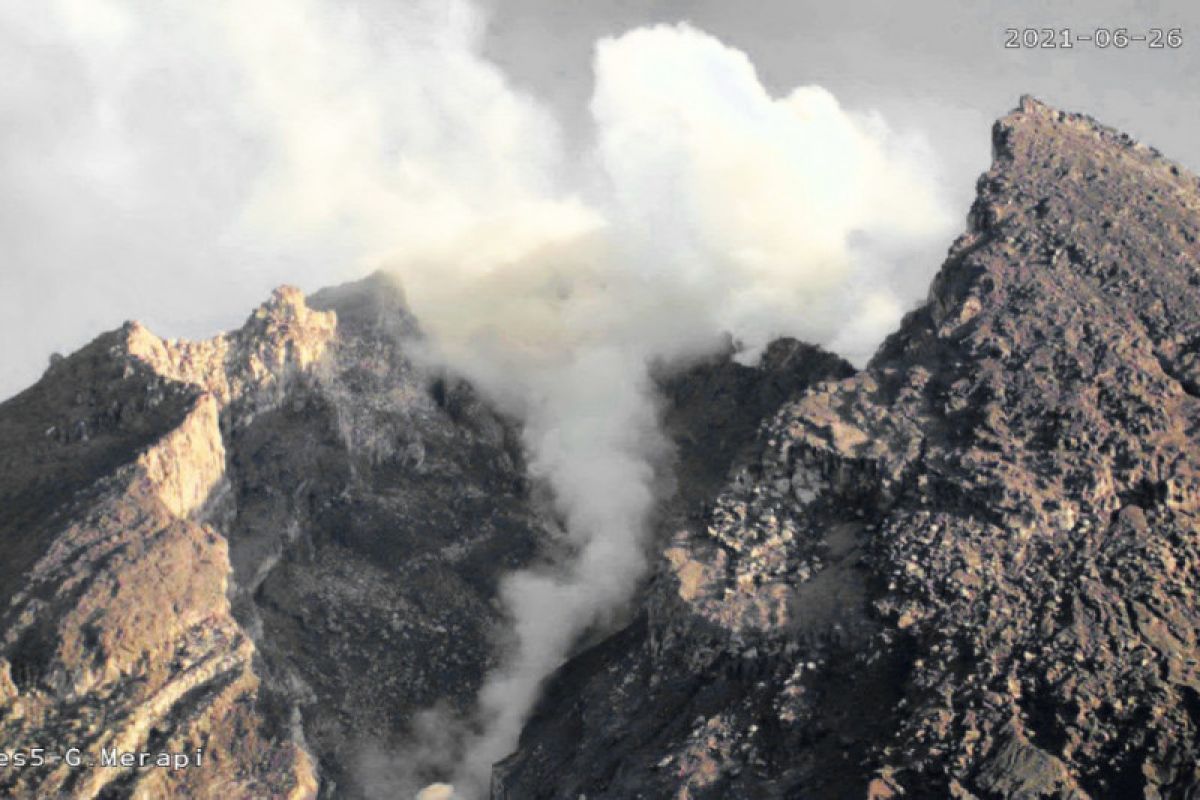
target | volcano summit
[{"x": 968, "y": 570}]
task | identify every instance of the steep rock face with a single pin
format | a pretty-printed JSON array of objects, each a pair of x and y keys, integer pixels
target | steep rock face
[
  {"x": 712, "y": 410},
  {"x": 272, "y": 546},
  {"x": 117, "y": 629},
  {"x": 375, "y": 511},
  {"x": 968, "y": 571}
]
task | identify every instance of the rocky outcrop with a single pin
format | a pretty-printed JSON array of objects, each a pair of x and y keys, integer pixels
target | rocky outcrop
[
  {"x": 251, "y": 367},
  {"x": 968, "y": 571},
  {"x": 271, "y": 547},
  {"x": 120, "y": 635},
  {"x": 376, "y": 510}
]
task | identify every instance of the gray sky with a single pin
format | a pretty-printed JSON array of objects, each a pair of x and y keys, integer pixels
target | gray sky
[
  {"x": 168, "y": 162},
  {"x": 938, "y": 65}
]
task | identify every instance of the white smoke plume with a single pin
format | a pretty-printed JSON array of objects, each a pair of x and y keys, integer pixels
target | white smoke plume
[
  {"x": 717, "y": 209},
  {"x": 316, "y": 132}
]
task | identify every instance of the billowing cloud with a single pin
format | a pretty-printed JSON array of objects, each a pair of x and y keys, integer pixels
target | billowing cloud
[{"x": 783, "y": 209}]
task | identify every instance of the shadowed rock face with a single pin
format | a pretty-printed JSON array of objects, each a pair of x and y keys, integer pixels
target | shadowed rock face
[
  {"x": 372, "y": 512},
  {"x": 968, "y": 571}
]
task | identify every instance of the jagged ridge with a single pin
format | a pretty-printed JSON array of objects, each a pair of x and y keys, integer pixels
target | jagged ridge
[{"x": 274, "y": 545}]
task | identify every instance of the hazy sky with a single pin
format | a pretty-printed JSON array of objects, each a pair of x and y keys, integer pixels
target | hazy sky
[
  {"x": 939, "y": 65},
  {"x": 145, "y": 147}
]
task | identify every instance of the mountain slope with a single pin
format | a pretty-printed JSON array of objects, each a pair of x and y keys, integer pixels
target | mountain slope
[
  {"x": 278, "y": 545},
  {"x": 969, "y": 570},
  {"x": 274, "y": 545}
]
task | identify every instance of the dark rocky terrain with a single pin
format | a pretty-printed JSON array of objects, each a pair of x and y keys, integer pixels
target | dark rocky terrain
[
  {"x": 275, "y": 545},
  {"x": 278, "y": 544},
  {"x": 968, "y": 571}
]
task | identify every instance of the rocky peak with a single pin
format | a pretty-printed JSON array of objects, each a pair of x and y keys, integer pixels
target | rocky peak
[
  {"x": 968, "y": 571},
  {"x": 249, "y": 366},
  {"x": 275, "y": 545}
]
